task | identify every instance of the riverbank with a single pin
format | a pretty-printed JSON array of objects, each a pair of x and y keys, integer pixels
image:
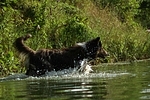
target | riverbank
[
  {"x": 59, "y": 24},
  {"x": 123, "y": 63}
]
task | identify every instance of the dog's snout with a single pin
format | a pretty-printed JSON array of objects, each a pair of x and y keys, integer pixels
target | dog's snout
[{"x": 102, "y": 53}]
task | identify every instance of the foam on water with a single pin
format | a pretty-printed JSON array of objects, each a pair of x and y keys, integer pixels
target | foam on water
[
  {"x": 63, "y": 75},
  {"x": 82, "y": 72}
]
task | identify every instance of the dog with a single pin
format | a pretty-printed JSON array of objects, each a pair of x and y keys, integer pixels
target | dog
[{"x": 39, "y": 62}]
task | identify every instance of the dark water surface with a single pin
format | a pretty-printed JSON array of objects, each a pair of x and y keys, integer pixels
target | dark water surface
[{"x": 107, "y": 82}]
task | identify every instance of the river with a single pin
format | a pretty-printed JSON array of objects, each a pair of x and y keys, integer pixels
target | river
[{"x": 120, "y": 81}]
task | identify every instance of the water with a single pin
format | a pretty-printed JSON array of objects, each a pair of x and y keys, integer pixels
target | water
[{"x": 120, "y": 81}]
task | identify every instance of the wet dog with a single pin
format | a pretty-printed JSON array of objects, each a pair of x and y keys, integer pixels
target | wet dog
[{"x": 46, "y": 60}]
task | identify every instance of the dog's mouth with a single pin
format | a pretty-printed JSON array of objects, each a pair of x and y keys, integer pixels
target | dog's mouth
[{"x": 102, "y": 56}]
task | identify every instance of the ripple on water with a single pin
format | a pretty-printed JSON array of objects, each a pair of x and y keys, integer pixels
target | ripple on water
[{"x": 64, "y": 74}]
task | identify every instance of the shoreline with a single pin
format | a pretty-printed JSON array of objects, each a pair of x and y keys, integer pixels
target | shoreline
[{"x": 122, "y": 63}]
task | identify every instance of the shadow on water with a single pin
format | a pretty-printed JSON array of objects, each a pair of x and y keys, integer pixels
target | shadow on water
[{"x": 107, "y": 82}]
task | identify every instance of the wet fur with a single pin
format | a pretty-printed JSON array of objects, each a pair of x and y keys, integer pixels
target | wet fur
[{"x": 40, "y": 61}]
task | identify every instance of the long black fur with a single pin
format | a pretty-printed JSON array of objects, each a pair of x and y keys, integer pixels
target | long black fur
[{"x": 40, "y": 61}]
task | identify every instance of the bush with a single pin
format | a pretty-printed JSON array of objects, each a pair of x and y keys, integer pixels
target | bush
[
  {"x": 62, "y": 23},
  {"x": 52, "y": 24}
]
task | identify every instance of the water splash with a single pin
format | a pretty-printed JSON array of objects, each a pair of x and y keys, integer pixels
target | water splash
[
  {"x": 64, "y": 74},
  {"x": 82, "y": 72},
  {"x": 17, "y": 76},
  {"x": 85, "y": 67}
]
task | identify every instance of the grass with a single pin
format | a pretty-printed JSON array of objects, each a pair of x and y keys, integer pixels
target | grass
[{"x": 57, "y": 24}]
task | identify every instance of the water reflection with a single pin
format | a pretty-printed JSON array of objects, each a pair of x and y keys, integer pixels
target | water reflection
[
  {"x": 109, "y": 82},
  {"x": 67, "y": 89}
]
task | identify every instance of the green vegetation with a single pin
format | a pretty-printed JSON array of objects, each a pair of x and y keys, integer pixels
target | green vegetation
[{"x": 121, "y": 24}]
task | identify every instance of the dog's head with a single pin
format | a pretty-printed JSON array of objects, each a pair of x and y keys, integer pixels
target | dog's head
[
  {"x": 102, "y": 53},
  {"x": 94, "y": 49}
]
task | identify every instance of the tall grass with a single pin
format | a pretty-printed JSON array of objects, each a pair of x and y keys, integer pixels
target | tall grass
[
  {"x": 57, "y": 24},
  {"x": 124, "y": 41}
]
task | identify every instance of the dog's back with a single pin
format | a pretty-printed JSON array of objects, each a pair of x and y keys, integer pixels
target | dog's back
[{"x": 38, "y": 62}]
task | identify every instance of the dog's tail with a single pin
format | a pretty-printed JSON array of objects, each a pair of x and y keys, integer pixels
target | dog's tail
[{"x": 21, "y": 47}]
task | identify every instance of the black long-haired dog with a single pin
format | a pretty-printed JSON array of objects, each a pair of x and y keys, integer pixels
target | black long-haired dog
[{"x": 40, "y": 61}]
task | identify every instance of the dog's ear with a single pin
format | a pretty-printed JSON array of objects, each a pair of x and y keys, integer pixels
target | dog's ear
[
  {"x": 100, "y": 43},
  {"x": 97, "y": 39},
  {"x": 93, "y": 42}
]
